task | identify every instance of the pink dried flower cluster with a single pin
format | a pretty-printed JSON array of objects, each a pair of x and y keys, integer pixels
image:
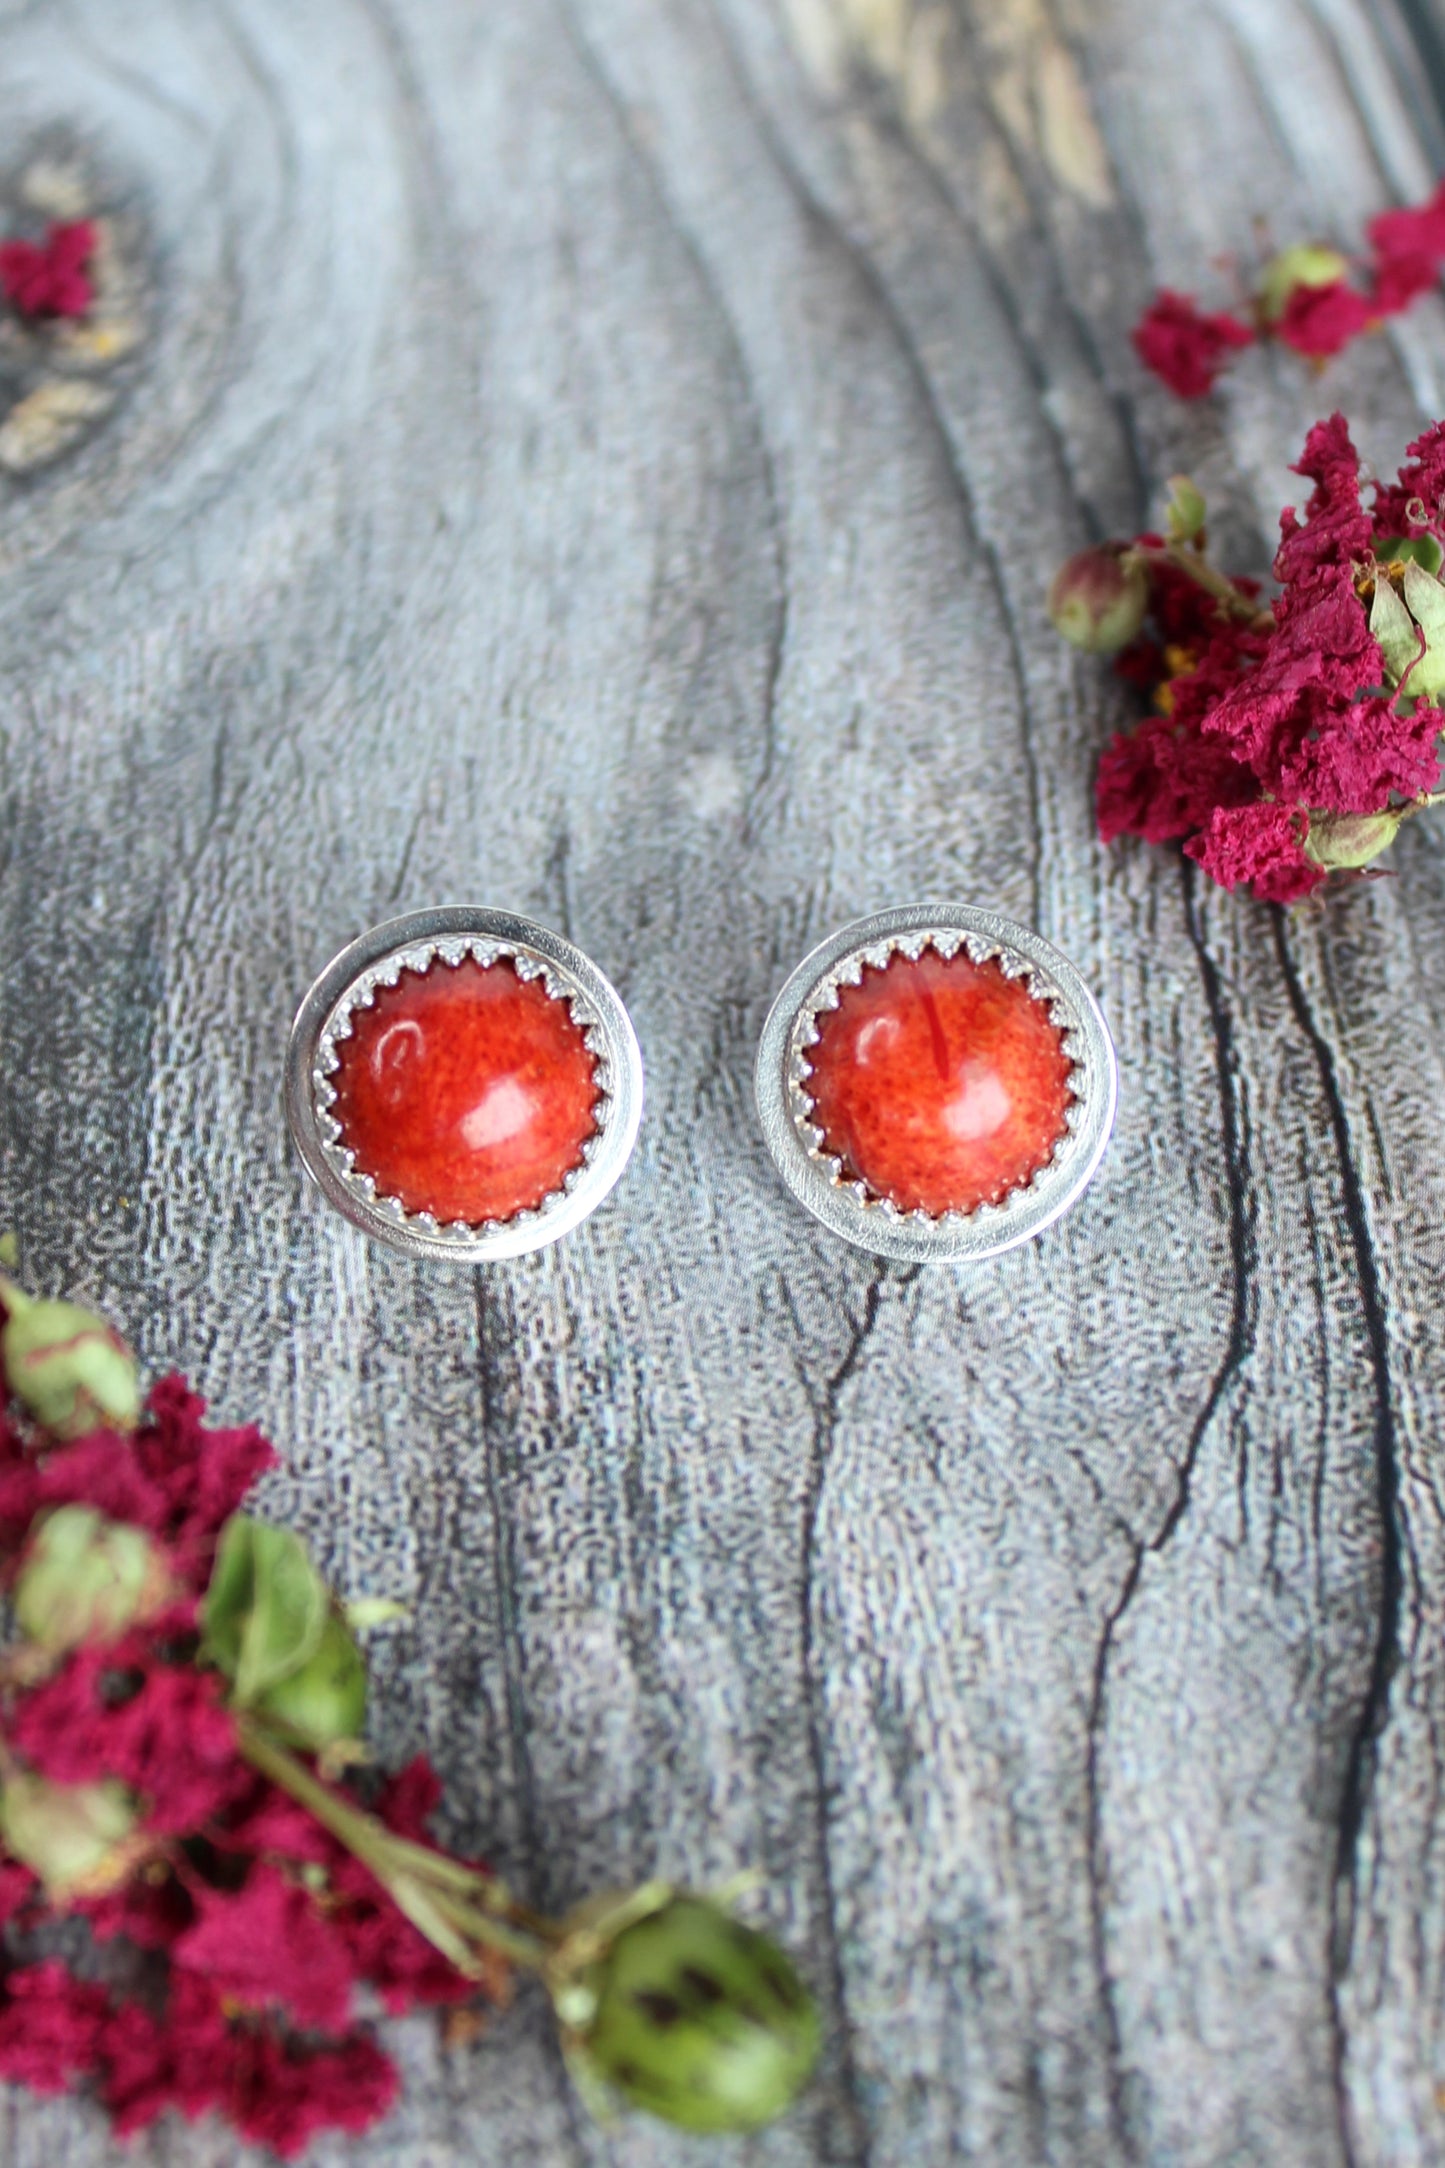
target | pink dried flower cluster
[
  {"x": 50, "y": 277},
  {"x": 1289, "y": 743},
  {"x": 1307, "y": 299},
  {"x": 273, "y": 1938}
]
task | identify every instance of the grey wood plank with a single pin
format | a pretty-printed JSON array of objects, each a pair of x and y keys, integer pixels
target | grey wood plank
[{"x": 604, "y": 459}]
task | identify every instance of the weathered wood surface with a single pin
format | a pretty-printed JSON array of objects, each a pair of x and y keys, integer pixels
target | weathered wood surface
[{"x": 602, "y": 457}]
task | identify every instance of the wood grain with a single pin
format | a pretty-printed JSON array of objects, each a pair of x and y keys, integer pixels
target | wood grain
[{"x": 602, "y": 458}]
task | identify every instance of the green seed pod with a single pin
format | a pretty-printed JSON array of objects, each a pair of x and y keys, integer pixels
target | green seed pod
[
  {"x": 68, "y": 1367},
  {"x": 1099, "y": 599},
  {"x": 326, "y": 1699},
  {"x": 695, "y": 2018},
  {"x": 79, "y": 1838},
  {"x": 1344, "y": 842},
  {"x": 84, "y": 1578}
]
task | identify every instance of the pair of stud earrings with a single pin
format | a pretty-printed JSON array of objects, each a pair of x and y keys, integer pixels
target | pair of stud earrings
[{"x": 933, "y": 1083}]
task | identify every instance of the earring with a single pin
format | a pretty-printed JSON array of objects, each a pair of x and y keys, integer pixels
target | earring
[
  {"x": 463, "y": 1083},
  {"x": 936, "y": 1083}
]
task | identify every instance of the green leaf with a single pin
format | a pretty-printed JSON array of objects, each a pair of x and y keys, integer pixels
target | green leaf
[
  {"x": 1399, "y": 549},
  {"x": 266, "y": 1607},
  {"x": 1186, "y": 511},
  {"x": 1394, "y": 628},
  {"x": 325, "y": 1699}
]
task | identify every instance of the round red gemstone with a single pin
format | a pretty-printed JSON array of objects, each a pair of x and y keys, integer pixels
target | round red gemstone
[
  {"x": 465, "y": 1091},
  {"x": 939, "y": 1082}
]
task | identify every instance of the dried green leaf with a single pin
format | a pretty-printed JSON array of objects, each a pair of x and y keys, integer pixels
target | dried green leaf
[{"x": 266, "y": 1608}]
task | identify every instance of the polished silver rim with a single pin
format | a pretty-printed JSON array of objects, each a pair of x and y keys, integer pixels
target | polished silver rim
[
  {"x": 821, "y": 1182},
  {"x": 447, "y": 934}
]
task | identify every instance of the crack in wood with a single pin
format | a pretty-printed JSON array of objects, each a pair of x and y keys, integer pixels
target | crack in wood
[{"x": 1375, "y": 1706}]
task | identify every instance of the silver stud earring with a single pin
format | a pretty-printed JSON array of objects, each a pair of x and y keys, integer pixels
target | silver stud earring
[
  {"x": 936, "y": 1083},
  {"x": 463, "y": 1083}
]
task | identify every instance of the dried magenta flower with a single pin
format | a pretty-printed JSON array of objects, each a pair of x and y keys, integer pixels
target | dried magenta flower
[
  {"x": 1289, "y": 745},
  {"x": 159, "y": 1783},
  {"x": 1306, "y": 298},
  {"x": 50, "y": 278},
  {"x": 1185, "y": 345}
]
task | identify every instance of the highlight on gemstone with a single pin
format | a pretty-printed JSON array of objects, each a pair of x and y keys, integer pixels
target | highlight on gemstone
[
  {"x": 466, "y": 1091},
  {"x": 941, "y": 1083}
]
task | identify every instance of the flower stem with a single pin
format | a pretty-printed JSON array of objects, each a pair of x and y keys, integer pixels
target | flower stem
[
  {"x": 1196, "y": 567},
  {"x": 443, "y": 1899}
]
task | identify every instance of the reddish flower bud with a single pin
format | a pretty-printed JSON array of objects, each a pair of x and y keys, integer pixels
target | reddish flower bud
[{"x": 1099, "y": 599}]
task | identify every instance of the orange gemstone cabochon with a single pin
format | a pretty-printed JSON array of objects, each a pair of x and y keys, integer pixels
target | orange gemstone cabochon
[
  {"x": 466, "y": 1091},
  {"x": 941, "y": 1083}
]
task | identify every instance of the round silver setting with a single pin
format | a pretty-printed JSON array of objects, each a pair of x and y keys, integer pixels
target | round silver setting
[
  {"x": 446, "y": 935},
  {"x": 822, "y": 1183}
]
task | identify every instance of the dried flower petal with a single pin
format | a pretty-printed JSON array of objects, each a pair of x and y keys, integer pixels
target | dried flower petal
[
  {"x": 1258, "y": 846},
  {"x": 1317, "y": 321},
  {"x": 169, "y": 1736},
  {"x": 1293, "y": 271},
  {"x": 268, "y": 1945},
  {"x": 50, "y": 2027},
  {"x": 1186, "y": 346},
  {"x": 49, "y": 280},
  {"x": 1408, "y": 248},
  {"x": 1305, "y": 298},
  {"x": 192, "y": 2058},
  {"x": 1326, "y": 717}
]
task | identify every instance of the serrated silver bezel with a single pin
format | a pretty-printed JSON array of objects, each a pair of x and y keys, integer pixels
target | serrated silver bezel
[
  {"x": 446, "y": 934},
  {"x": 820, "y": 1182}
]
